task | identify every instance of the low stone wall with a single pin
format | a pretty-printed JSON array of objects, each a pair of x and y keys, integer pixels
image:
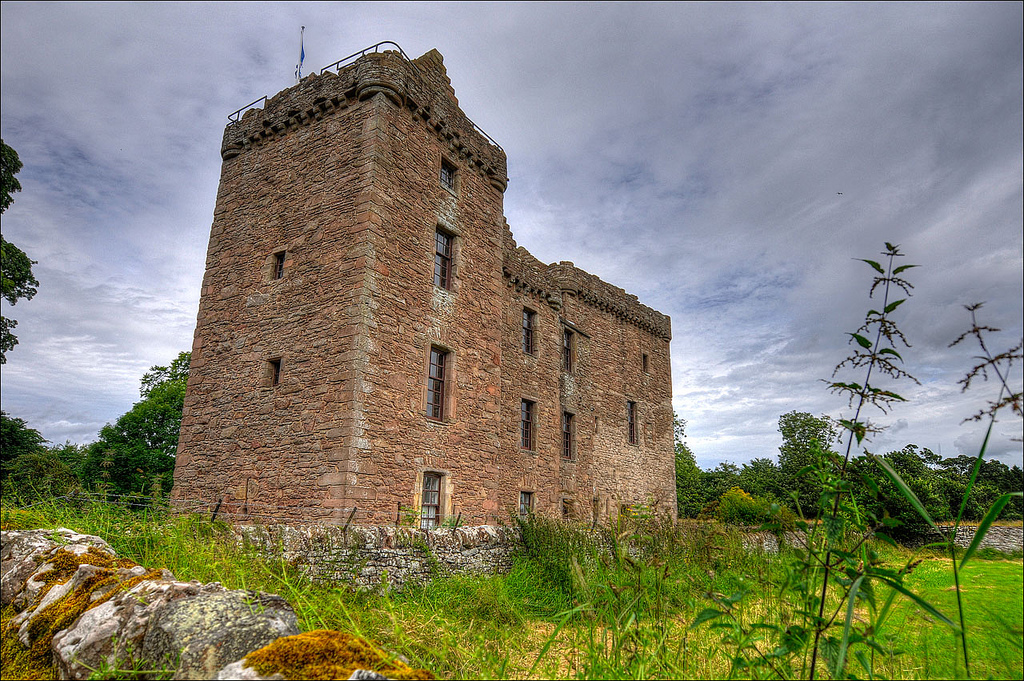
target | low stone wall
[
  {"x": 1005, "y": 539},
  {"x": 372, "y": 556}
]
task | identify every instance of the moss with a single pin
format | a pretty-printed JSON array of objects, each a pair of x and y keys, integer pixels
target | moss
[
  {"x": 324, "y": 654},
  {"x": 36, "y": 662},
  {"x": 17, "y": 661}
]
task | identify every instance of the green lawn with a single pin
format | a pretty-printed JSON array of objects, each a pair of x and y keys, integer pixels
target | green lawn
[{"x": 993, "y": 603}]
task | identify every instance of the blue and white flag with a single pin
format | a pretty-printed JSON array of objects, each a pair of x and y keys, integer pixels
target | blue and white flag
[{"x": 302, "y": 56}]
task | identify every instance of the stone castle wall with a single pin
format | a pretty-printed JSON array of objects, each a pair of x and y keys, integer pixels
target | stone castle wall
[{"x": 339, "y": 175}]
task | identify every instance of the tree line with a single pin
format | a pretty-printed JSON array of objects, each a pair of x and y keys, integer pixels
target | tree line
[
  {"x": 749, "y": 491},
  {"x": 132, "y": 456}
]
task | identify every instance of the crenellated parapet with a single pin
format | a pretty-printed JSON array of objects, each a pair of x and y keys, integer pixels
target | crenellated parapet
[
  {"x": 597, "y": 293},
  {"x": 549, "y": 283},
  {"x": 421, "y": 86}
]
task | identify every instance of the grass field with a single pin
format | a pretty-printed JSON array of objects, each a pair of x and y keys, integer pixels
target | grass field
[{"x": 592, "y": 618}]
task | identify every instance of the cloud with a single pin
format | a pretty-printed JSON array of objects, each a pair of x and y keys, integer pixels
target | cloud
[{"x": 726, "y": 163}]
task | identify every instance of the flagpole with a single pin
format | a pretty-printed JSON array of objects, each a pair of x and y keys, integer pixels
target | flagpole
[{"x": 302, "y": 56}]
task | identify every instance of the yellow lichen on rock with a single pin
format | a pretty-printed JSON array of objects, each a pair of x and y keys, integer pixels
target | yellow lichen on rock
[
  {"x": 324, "y": 654},
  {"x": 36, "y": 660}
]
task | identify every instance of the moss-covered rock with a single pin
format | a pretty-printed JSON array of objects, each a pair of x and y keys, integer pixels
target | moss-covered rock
[{"x": 324, "y": 654}]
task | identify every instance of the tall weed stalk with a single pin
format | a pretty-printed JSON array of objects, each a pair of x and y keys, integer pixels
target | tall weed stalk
[{"x": 837, "y": 570}]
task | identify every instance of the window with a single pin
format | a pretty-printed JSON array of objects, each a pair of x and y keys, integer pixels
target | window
[
  {"x": 631, "y": 421},
  {"x": 525, "y": 504},
  {"x": 568, "y": 426},
  {"x": 643, "y": 362},
  {"x": 443, "y": 260},
  {"x": 447, "y": 175},
  {"x": 274, "y": 371},
  {"x": 279, "y": 264},
  {"x": 567, "y": 509},
  {"x": 568, "y": 341},
  {"x": 430, "y": 509},
  {"x": 529, "y": 323},
  {"x": 435, "y": 383},
  {"x": 526, "y": 424}
]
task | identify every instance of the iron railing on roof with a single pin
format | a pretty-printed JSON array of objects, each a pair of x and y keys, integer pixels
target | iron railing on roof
[
  {"x": 337, "y": 66},
  {"x": 236, "y": 116}
]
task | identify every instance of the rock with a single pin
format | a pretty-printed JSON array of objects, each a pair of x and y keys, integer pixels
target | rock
[
  {"x": 112, "y": 633},
  {"x": 238, "y": 670},
  {"x": 323, "y": 654},
  {"x": 211, "y": 631},
  {"x": 21, "y": 553}
]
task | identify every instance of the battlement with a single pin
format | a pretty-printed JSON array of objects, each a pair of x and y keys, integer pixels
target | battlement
[
  {"x": 550, "y": 282},
  {"x": 422, "y": 86}
]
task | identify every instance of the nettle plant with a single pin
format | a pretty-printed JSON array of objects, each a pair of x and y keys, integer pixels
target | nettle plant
[{"x": 836, "y": 594}]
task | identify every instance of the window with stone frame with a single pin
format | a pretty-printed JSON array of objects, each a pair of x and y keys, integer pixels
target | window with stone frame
[
  {"x": 443, "y": 261},
  {"x": 525, "y": 504},
  {"x": 447, "y": 177},
  {"x": 274, "y": 371},
  {"x": 529, "y": 325},
  {"x": 279, "y": 258},
  {"x": 631, "y": 421},
  {"x": 527, "y": 416},
  {"x": 437, "y": 376},
  {"x": 644, "y": 363},
  {"x": 568, "y": 436},
  {"x": 430, "y": 504},
  {"x": 568, "y": 350}
]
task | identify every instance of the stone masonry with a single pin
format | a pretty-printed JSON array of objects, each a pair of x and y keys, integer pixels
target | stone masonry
[{"x": 310, "y": 390}]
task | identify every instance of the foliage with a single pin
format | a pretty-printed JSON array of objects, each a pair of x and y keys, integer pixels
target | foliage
[
  {"x": 135, "y": 455},
  {"x": 802, "y": 435},
  {"x": 16, "y": 279},
  {"x": 625, "y": 622},
  {"x": 738, "y": 507},
  {"x": 689, "y": 494},
  {"x": 10, "y": 165},
  {"x": 16, "y": 439}
]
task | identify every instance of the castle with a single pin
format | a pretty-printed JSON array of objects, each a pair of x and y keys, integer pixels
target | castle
[{"x": 372, "y": 345}]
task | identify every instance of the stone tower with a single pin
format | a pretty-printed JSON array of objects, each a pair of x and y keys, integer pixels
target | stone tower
[{"x": 371, "y": 344}]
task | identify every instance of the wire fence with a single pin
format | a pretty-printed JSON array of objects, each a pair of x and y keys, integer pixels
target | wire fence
[{"x": 242, "y": 511}]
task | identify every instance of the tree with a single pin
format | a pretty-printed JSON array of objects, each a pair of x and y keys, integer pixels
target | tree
[
  {"x": 16, "y": 279},
  {"x": 800, "y": 431},
  {"x": 689, "y": 497},
  {"x": 761, "y": 477},
  {"x": 16, "y": 439},
  {"x": 135, "y": 455}
]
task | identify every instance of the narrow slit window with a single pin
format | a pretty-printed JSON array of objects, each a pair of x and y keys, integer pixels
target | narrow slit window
[
  {"x": 443, "y": 260},
  {"x": 568, "y": 439},
  {"x": 436, "y": 383},
  {"x": 274, "y": 371},
  {"x": 526, "y": 418},
  {"x": 279, "y": 265},
  {"x": 529, "y": 324},
  {"x": 430, "y": 510},
  {"x": 631, "y": 421},
  {"x": 643, "y": 361},
  {"x": 568, "y": 347}
]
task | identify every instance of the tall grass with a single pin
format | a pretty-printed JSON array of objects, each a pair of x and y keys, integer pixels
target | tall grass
[{"x": 620, "y": 604}]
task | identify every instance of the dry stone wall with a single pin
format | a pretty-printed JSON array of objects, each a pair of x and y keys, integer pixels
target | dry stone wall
[{"x": 372, "y": 557}]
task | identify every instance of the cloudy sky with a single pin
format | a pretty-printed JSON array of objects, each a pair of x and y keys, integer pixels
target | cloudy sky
[{"x": 726, "y": 163}]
